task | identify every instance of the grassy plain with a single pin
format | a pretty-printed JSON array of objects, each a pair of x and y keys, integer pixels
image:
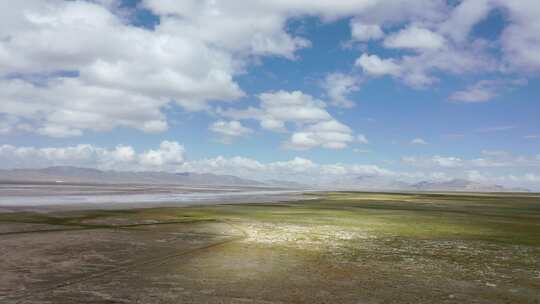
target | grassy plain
[{"x": 338, "y": 247}]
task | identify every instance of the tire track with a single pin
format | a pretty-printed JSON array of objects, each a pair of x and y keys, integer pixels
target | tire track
[
  {"x": 96, "y": 227},
  {"x": 156, "y": 261}
]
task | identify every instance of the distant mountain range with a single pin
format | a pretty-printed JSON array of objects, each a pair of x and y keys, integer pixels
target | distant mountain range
[
  {"x": 382, "y": 183},
  {"x": 68, "y": 174},
  {"x": 462, "y": 185},
  {"x": 282, "y": 183}
]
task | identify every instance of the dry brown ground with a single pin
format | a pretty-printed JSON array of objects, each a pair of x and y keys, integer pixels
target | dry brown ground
[{"x": 271, "y": 254}]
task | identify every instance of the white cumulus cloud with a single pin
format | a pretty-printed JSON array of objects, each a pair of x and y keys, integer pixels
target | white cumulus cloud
[
  {"x": 167, "y": 156},
  {"x": 415, "y": 38},
  {"x": 338, "y": 86},
  {"x": 374, "y": 65},
  {"x": 418, "y": 141},
  {"x": 365, "y": 32},
  {"x": 313, "y": 125},
  {"x": 229, "y": 130}
]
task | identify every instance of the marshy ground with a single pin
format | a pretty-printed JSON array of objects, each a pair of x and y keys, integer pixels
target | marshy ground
[{"x": 342, "y": 247}]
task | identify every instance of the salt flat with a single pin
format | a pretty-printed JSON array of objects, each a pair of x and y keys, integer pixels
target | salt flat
[{"x": 19, "y": 196}]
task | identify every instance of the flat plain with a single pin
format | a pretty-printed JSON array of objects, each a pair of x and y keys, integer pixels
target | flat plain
[{"x": 334, "y": 247}]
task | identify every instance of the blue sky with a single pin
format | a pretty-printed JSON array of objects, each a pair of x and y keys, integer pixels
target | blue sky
[{"x": 408, "y": 90}]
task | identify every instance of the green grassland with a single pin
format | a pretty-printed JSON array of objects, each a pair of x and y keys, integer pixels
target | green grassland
[
  {"x": 491, "y": 217},
  {"x": 357, "y": 247}
]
